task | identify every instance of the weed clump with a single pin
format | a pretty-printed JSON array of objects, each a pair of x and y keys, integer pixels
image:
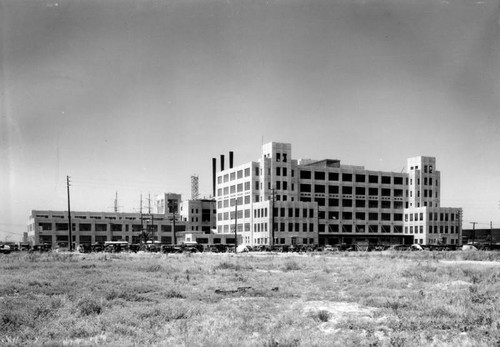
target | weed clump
[
  {"x": 292, "y": 266},
  {"x": 323, "y": 315},
  {"x": 228, "y": 266},
  {"x": 88, "y": 306}
]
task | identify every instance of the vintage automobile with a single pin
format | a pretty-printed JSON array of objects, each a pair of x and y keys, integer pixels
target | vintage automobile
[
  {"x": 4, "y": 249},
  {"x": 41, "y": 248},
  {"x": 85, "y": 248}
]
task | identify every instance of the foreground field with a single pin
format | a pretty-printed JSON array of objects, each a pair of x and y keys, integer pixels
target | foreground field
[{"x": 342, "y": 299}]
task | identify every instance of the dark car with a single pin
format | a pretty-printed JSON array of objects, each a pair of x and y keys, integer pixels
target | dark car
[
  {"x": 97, "y": 247},
  {"x": 84, "y": 248},
  {"x": 170, "y": 249},
  {"x": 41, "y": 248}
]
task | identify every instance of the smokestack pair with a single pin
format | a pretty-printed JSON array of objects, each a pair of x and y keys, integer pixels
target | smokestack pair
[
  {"x": 222, "y": 161},
  {"x": 214, "y": 168}
]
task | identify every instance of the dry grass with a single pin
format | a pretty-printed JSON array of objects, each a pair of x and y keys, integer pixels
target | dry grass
[{"x": 342, "y": 299}]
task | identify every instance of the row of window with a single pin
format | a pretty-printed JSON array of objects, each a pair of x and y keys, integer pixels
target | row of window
[
  {"x": 358, "y": 203},
  {"x": 432, "y": 216},
  {"x": 293, "y": 212},
  {"x": 348, "y": 228},
  {"x": 427, "y": 181},
  {"x": 349, "y": 177},
  {"x": 348, "y": 190},
  {"x": 236, "y": 175},
  {"x": 96, "y": 239},
  {"x": 112, "y": 227},
  {"x": 294, "y": 227},
  {"x": 425, "y": 168},
  {"x": 433, "y": 229}
]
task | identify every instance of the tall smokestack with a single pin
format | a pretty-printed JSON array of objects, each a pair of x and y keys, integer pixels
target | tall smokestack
[
  {"x": 231, "y": 160},
  {"x": 222, "y": 162},
  {"x": 214, "y": 174}
]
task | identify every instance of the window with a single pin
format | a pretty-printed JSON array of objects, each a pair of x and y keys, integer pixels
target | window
[
  {"x": 233, "y": 176},
  {"x": 347, "y": 190},
  {"x": 346, "y": 202},
  {"x": 320, "y": 201},
  {"x": 386, "y": 192},
  {"x": 360, "y": 203},
  {"x": 247, "y": 173},
  {"x": 347, "y": 215},
  {"x": 360, "y": 191},
  {"x": 305, "y": 188},
  {"x": 373, "y": 191},
  {"x": 398, "y": 180},
  {"x": 306, "y": 175},
  {"x": 360, "y": 178},
  {"x": 333, "y": 202},
  {"x": 386, "y": 179},
  {"x": 386, "y": 204},
  {"x": 319, "y": 188},
  {"x": 319, "y": 175},
  {"x": 333, "y": 176},
  {"x": 333, "y": 189},
  {"x": 347, "y": 177},
  {"x": 372, "y": 179},
  {"x": 101, "y": 227}
]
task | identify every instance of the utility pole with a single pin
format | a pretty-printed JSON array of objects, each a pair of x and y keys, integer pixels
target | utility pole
[
  {"x": 491, "y": 233},
  {"x": 473, "y": 231},
  {"x": 272, "y": 221},
  {"x": 69, "y": 217},
  {"x": 235, "y": 225},
  {"x": 172, "y": 207},
  {"x": 152, "y": 218},
  {"x": 142, "y": 222}
]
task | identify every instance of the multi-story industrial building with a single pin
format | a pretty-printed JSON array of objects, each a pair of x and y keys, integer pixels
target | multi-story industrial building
[
  {"x": 280, "y": 200},
  {"x": 52, "y": 227}
]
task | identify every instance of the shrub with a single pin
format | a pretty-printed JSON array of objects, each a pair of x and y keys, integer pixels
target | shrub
[
  {"x": 228, "y": 266},
  {"x": 292, "y": 266},
  {"x": 88, "y": 306},
  {"x": 323, "y": 315}
]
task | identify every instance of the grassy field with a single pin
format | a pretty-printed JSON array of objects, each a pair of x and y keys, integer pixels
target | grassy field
[{"x": 341, "y": 299}]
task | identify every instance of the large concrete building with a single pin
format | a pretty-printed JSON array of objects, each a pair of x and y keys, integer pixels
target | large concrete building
[
  {"x": 280, "y": 200},
  {"x": 172, "y": 216}
]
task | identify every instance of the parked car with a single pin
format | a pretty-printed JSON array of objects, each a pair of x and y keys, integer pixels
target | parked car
[
  {"x": 170, "y": 249},
  {"x": 41, "y": 248},
  {"x": 416, "y": 247},
  {"x": 84, "y": 248},
  {"x": 97, "y": 247},
  {"x": 4, "y": 249}
]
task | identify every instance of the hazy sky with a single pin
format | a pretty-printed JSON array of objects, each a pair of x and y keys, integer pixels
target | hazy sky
[{"x": 136, "y": 96}]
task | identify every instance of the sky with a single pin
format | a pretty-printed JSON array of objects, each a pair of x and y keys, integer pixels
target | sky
[{"x": 134, "y": 97}]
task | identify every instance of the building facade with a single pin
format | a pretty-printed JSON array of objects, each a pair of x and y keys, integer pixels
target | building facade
[
  {"x": 280, "y": 200},
  {"x": 52, "y": 227}
]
